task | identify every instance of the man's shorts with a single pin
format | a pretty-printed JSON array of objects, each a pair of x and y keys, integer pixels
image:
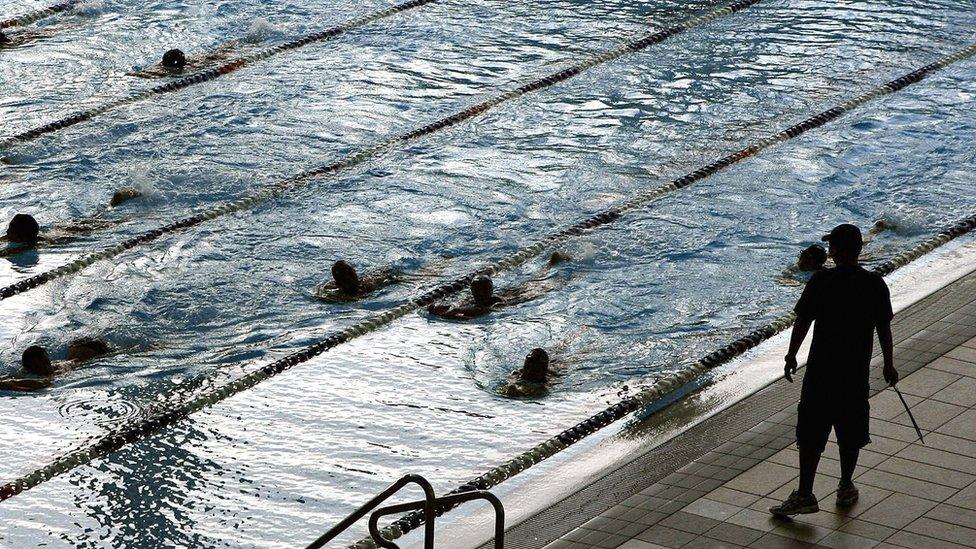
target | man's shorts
[{"x": 848, "y": 417}]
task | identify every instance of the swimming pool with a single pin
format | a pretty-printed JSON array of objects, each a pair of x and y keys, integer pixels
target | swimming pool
[{"x": 282, "y": 462}]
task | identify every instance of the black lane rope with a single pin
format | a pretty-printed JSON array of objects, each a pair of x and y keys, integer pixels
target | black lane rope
[
  {"x": 146, "y": 426},
  {"x": 210, "y": 74},
  {"x": 363, "y": 155},
  {"x": 34, "y": 16},
  {"x": 648, "y": 395}
]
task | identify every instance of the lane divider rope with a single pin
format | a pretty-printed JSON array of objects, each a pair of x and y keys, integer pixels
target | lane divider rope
[
  {"x": 651, "y": 394},
  {"x": 146, "y": 426},
  {"x": 210, "y": 74},
  {"x": 363, "y": 155},
  {"x": 34, "y": 16}
]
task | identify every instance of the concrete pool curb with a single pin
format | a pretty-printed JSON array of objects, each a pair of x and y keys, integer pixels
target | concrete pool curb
[{"x": 668, "y": 477}]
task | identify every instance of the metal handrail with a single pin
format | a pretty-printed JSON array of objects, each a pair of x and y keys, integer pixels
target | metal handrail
[
  {"x": 427, "y": 505},
  {"x": 446, "y": 502}
]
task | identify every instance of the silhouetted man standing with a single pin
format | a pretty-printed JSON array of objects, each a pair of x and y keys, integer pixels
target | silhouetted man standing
[{"x": 848, "y": 304}]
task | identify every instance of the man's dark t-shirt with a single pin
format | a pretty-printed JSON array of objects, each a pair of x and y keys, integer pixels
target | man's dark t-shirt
[{"x": 846, "y": 303}]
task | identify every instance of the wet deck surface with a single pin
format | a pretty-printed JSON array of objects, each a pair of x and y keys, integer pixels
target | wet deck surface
[{"x": 711, "y": 486}]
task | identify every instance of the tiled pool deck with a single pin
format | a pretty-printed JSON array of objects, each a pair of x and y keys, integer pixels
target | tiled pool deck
[{"x": 711, "y": 486}]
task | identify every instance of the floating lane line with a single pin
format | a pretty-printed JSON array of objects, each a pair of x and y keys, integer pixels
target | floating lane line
[
  {"x": 210, "y": 74},
  {"x": 648, "y": 395},
  {"x": 152, "y": 423},
  {"x": 34, "y": 16},
  {"x": 368, "y": 153}
]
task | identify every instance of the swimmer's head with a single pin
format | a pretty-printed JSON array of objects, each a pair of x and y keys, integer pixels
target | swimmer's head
[
  {"x": 23, "y": 229},
  {"x": 124, "y": 195},
  {"x": 880, "y": 226},
  {"x": 812, "y": 258},
  {"x": 4, "y": 39},
  {"x": 345, "y": 277},
  {"x": 87, "y": 348},
  {"x": 174, "y": 60},
  {"x": 482, "y": 289},
  {"x": 536, "y": 366},
  {"x": 845, "y": 243},
  {"x": 36, "y": 361}
]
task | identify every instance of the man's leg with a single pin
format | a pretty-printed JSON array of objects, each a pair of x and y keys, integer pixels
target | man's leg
[
  {"x": 848, "y": 462},
  {"x": 847, "y": 493},
  {"x": 812, "y": 429},
  {"x": 809, "y": 460},
  {"x": 852, "y": 435}
]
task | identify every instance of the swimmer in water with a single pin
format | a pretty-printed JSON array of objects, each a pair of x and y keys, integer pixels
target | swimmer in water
[
  {"x": 24, "y": 233},
  {"x": 873, "y": 254},
  {"x": 879, "y": 227},
  {"x": 811, "y": 259},
  {"x": 348, "y": 285},
  {"x": 25, "y": 36},
  {"x": 484, "y": 300},
  {"x": 176, "y": 63},
  {"x": 541, "y": 368},
  {"x": 38, "y": 371},
  {"x": 529, "y": 380},
  {"x": 814, "y": 258}
]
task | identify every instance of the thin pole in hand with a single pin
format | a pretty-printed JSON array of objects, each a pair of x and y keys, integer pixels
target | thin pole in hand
[{"x": 910, "y": 416}]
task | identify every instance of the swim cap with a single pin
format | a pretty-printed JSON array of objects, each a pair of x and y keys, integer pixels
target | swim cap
[
  {"x": 23, "y": 228},
  {"x": 174, "y": 59},
  {"x": 36, "y": 361}
]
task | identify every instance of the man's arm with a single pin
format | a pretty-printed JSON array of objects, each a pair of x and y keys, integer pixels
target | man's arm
[
  {"x": 800, "y": 329},
  {"x": 23, "y": 384},
  {"x": 888, "y": 351}
]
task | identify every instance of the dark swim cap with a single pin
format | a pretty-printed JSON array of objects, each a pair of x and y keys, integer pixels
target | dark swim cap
[
  {"x": 36, "y": 361},
  {"x": 817, "y": 251},
  {"x": 4, "y": 38},
  {"x": 482, "y": 281},
  {"x": 23, "y": 228},
  {"x": 174, "y": 59},
  {"x": 345, "y": 277}
]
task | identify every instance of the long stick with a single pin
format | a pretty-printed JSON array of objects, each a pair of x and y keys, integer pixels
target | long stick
[{"x": 910, "y": 416}]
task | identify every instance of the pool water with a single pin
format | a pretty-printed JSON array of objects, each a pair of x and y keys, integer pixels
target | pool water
[{"x": 277, "y": 465}]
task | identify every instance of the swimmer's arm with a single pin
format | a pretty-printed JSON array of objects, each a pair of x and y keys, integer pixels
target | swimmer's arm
[
  {"x": 378, "y": 279},
  {"x": 555, "y": 259},
  {"x": 455, "y": 313},
  {"x": 327, "y": 286},
  {"x": 65, "y": 366},
  {"x": 155, "y": 71},
  {"x": 438, "y": 309},
  {"x": 529, "y": 291},
  {"x": 15, "y": 250},
  {"x": 9, "y": 383}
]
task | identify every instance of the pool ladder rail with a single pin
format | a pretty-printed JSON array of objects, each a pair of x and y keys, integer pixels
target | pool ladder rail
[{"x": 430, "y": 506}]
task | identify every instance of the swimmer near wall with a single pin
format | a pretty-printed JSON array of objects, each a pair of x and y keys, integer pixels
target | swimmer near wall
[{"x": 456, "y": 275}]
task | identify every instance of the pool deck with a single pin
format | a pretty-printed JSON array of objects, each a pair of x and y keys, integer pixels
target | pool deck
[{"x": 711, "y": 486}]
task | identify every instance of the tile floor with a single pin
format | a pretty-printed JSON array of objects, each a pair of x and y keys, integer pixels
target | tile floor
[{"x": 912, "y": 495}]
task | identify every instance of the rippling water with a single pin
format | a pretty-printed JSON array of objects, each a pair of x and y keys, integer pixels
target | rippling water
[{"x": 278, "y": 464}]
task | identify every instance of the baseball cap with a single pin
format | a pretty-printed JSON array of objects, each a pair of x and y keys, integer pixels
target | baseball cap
[{"x": 845, "y": 235}]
